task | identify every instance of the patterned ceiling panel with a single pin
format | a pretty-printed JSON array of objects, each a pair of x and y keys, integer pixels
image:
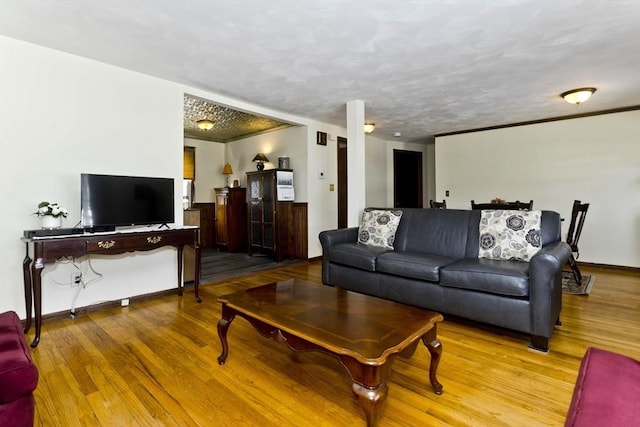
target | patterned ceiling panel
[{"x": 229, "y": 125}]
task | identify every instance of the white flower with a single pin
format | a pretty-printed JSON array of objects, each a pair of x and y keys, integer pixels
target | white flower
[{"x": 52, "y": 209}]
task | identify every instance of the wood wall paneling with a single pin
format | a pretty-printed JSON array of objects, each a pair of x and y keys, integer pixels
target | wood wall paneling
[
  {"x": 300, "y": 241},
  {"x": 207, "y": 224}
]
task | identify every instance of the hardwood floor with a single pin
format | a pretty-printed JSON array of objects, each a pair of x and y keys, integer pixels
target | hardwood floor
[{"x": 154, "y": 364}]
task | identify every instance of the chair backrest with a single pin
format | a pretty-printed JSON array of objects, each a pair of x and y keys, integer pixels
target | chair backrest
[
  {"x": 437, "y": 205},
  {"x": 517, "y": 205},
  {"x": 578, "y": 215}
]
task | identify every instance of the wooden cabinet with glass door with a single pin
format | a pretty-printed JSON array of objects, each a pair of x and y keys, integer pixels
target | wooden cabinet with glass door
[{"x": 269, "y": 220}]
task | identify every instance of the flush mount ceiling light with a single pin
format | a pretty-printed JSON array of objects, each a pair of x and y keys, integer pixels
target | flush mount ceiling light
[
  {"x": 576, "y": 96},
  {"x": 369, "y": 127},
  {"x": 205, "y": 124}
]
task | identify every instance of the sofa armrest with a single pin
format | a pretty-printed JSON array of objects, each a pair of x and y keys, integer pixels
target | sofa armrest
[
  {"x": 334, "y": 237},
  {"x": 545, "y": 286},
  {"x": 330, "y": 238}
]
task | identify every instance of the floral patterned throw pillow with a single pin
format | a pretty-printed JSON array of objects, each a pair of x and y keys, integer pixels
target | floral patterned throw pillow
[
  {"x": 378, "y": 227},
  {"x": 507, "y": 234}
]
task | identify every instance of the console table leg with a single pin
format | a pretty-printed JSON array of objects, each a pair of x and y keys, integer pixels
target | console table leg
[
  {"x": 196, "y": 276},
  {"x": 36, "y": 274},
  {"x": 435, "y": 348},
  {"x": 180, "y": 262},
  {"x": 371, "y": 400},
  {"x": 26, "y": 274}
]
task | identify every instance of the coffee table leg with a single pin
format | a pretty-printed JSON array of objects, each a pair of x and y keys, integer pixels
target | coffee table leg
[
  {"x": 371, "y": 400},
  {"x": 435, "y": 348},
  {"x": 223, "y": 326}
]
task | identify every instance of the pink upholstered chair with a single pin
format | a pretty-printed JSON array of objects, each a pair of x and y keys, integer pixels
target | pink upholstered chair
[
  {"x": 18, "y": 374},
  {"x": 606, "y": 391}
]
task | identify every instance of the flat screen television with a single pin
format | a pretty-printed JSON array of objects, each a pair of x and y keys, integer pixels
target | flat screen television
[{"x": 110, "y": 201}]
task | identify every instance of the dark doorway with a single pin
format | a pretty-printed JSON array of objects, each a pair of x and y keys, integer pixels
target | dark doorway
[
  {"x": 342, "y": 182},
  {"x": 407, "y": 179}
]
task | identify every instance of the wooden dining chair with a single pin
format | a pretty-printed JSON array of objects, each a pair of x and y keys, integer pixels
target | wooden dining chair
[
  {"x": 578, "y": 215},
  {"x": 438, "y": 205},
  {"x": 517, "y": 205},
  {"x": 524, "y": 206}
]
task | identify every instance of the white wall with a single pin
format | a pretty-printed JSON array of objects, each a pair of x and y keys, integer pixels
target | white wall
[
  {"x": 210, "y": 159},
  {"x": 376, "y": 173},
  {"x": 593, "y": 159},
  {"x": 379, "y": 170},
  {"x": 290, "y": 142},
  {"x": 426, "y": 172},
  {"x": 61, "y": 115}
]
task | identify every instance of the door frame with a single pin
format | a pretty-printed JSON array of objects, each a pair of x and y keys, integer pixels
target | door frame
[{"x": 414, "y": 166}]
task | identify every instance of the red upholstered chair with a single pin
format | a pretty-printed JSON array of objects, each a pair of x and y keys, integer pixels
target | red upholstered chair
[
  {"x": 607, "y": 391},
  {"x": 18, "y": 374}
]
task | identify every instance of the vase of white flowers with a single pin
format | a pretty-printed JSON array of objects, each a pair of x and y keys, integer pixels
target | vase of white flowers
[{"x": 51, "y": 215}]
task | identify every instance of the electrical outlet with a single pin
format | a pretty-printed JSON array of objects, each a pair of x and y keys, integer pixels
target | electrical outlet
[
  {"x": 124, "y": 302},
  {"x": 76, "y": 278}
]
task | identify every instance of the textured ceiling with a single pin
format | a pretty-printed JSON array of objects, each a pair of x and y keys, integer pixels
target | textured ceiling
[
  {"x": 421, "y": 67},
  {"x": 229, "y": 124}
]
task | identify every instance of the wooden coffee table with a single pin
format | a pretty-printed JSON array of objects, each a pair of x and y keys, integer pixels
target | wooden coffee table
[{"x": 364, "y": 333}]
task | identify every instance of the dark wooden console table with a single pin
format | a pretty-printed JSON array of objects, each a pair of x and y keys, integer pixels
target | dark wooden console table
[{"x": 47, "y": 250}]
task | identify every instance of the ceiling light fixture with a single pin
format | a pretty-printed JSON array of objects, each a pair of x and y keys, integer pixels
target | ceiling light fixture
[
  {"x": 369, "y": 127},
  {"x": 205, "y": 124},
  {"x": 577, "y": 96}
]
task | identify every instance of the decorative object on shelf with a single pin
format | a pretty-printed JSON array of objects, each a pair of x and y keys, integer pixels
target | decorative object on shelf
[
  {"x": 260, "y": 158},
  {"x": 236, "y": 183},
  {"x": 205, "y": 124},
  {"x": 51, "y": 215},
  {"x": 576, "y": 96},
  {"x": 369, "y": 127},
  {"x": 498, "y": 201},
  {"x": 226, "y": 170},
  {"x": 283, "y": 162}
]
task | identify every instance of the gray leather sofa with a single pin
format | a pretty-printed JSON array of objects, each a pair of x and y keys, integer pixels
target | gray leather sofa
[{"x": 435, "y": 265}]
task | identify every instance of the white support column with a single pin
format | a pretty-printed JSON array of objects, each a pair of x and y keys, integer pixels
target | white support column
[{"x": 356, "y": 185}]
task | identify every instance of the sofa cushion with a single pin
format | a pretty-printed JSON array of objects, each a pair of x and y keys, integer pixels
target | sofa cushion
[
  {"x": 356, "y": 255},
  {"x": 507, "y": 234},
  {"x": 378, "y": 227},
  {"x": 488, "y": 275},
  {"x": 434, "y": 231},
  {"x": 18, "y": 374},
  {"x": 412, "y": 264}
]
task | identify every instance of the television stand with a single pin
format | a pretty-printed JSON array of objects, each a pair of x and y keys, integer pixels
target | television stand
[{"x": 47, "y": 250}]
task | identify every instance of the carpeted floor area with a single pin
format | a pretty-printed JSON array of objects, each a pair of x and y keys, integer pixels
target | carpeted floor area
[
  {"x": 218, "y": 265},
  {"x": 569, "y": 285}
]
